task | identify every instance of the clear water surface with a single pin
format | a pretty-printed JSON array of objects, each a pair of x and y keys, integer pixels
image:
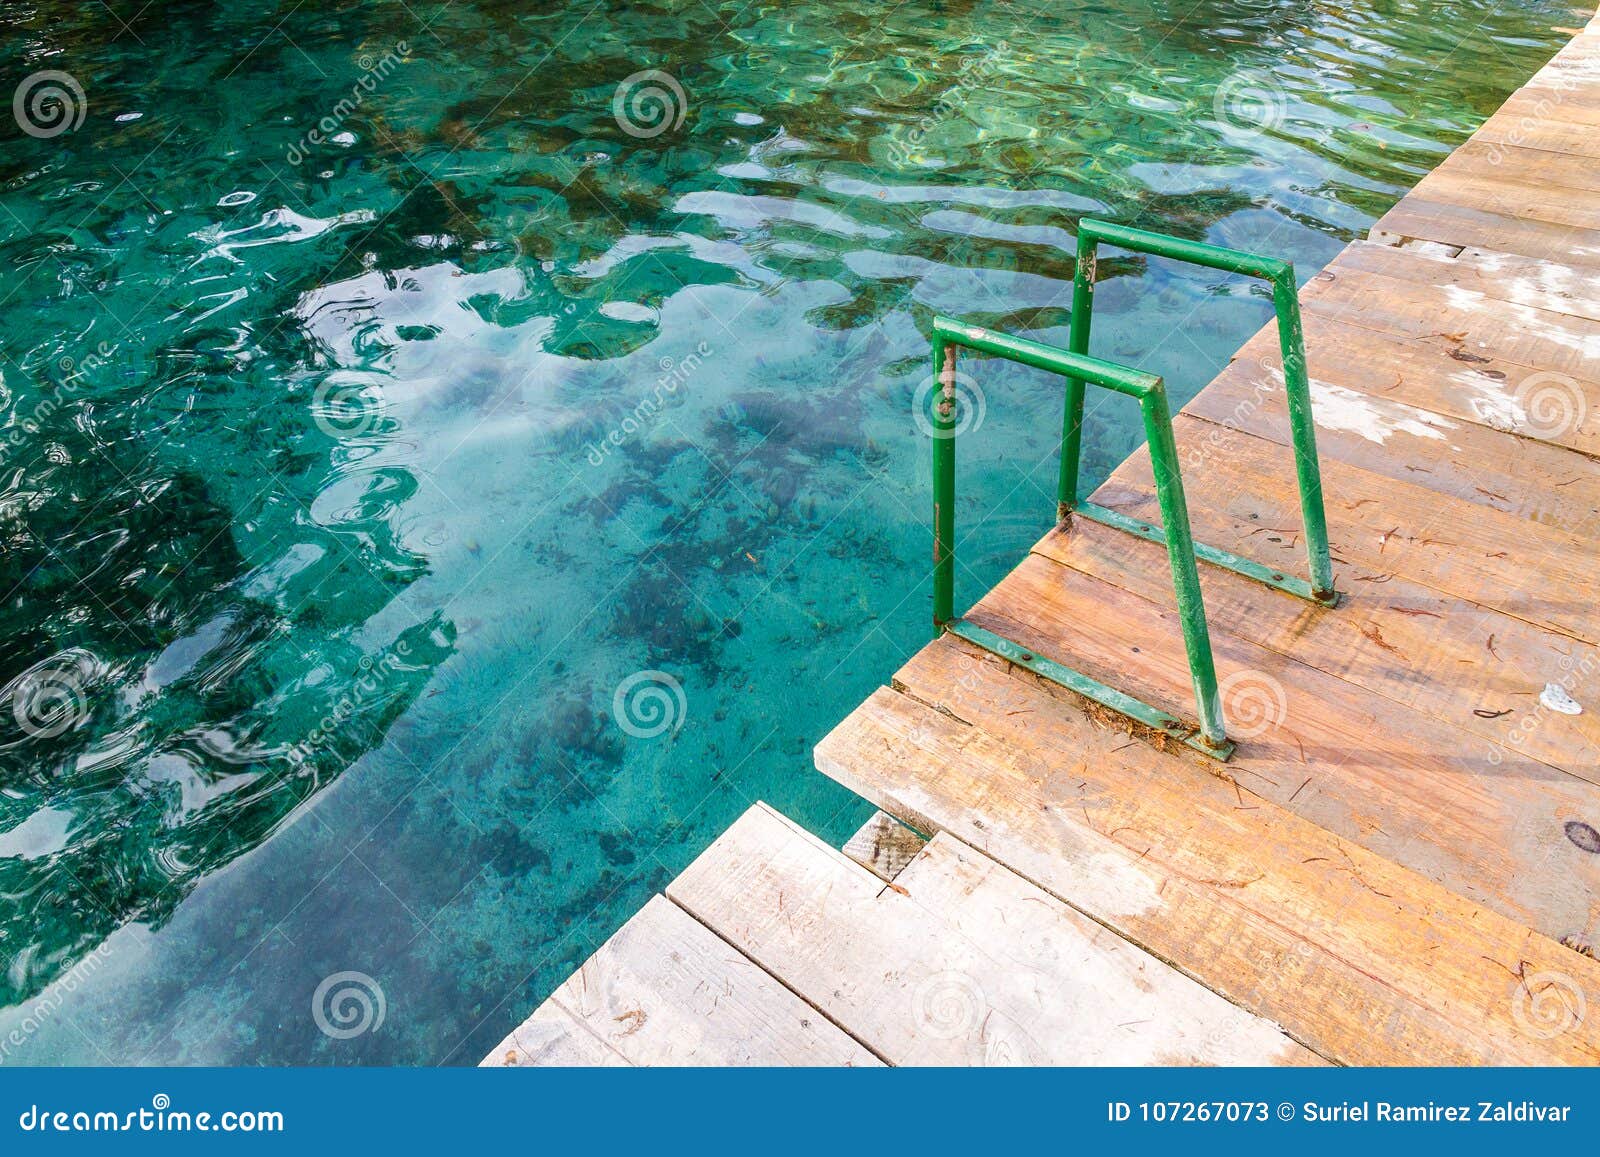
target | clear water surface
[{"x": 376, "y": 405}]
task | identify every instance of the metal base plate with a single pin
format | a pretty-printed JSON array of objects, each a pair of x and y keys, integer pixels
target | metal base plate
[
  {"x": 1289, "y": 584},
  {"x": 1137, "y": 710}
]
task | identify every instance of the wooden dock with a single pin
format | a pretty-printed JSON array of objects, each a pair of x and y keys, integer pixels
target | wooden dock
[{"x": 1401, "y": 862}]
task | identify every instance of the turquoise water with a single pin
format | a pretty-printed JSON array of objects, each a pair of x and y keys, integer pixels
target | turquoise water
[{"x": 439, "y": 491}]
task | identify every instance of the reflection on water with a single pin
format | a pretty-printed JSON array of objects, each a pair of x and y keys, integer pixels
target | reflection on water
[{"x": 484, "y": 470}]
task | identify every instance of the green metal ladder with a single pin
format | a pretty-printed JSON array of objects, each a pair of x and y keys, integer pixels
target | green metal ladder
[{"x": 1075, "y": 364}]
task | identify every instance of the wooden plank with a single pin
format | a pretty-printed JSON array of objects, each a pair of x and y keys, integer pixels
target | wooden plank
[
  {"x": 1451, "y": 659},
  {"x": 1579, "y": 56},
  {"x": 1478, "y": 817},
  {"x": 552, "y": 1037},
  {"x": 1549, "y": 101},
  {"x": 1361, "y": 422},
  {"x": 1112, "y": 987},
  {"x": 1560, "y": 169},
  {"x": 884, "y": 846},
  {"x": 1473, "y": 228},
  {"x": 1565, "y": 289},
  {"x": 1533, "y": 133},
  {"x": 1564, "y": 85},
  {"x": 1243, "y": 499},
  {"x": 1372, "y": 963},
  {"x": 961, "y": 962},
  {"x": 1515, "y": 193},
  {"x": 1449, "y": 380},
  {"x": 1455, "y": 319},
  {"x": 665, "y": 991}
]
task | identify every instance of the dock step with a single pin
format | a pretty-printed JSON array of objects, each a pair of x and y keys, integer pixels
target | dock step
[
  {"x": 1272, "y": 911},
  {"x": 774, "y": 948},
  {"x": 665, "y": 991},
  {"x": 959, "y": 961}
]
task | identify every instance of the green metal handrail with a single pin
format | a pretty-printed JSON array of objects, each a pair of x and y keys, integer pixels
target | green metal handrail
[
  {"x": 1291, "y": 339},
  {"x": 1151, "y": 394}
]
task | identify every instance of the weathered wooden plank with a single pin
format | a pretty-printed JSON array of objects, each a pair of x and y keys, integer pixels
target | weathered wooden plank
[
  {"x": 1107, "y": 979},
  {"x": 1478, "y": 817},
  {"x": 1579, "y": 56},
  {"x": 884, "y": 846},
  {"x": 1549, "y": 101},
  {"x": 1242, "y": 497},
  {"x": 1450, "y": 380},
  {"x": 1535, "y": 133},
  {"x": 1480, "y": 671},
  {"x": 552, "y": 1037},
  {"x": 1363, "y": 421},
  {"x": 959, "y": 962},
  {"x": 1373, "y": 963},
  {"x": 665, "y": 991},
  {"x": 1457, "y": 225},
  {"x": 1517, "y": 193},
  {"x": 1457, "y": 319},
  {"x": 1565, "y": 84},
  {"x": 1546, "y": 285},
  {"x": 1560, "y": 169}
]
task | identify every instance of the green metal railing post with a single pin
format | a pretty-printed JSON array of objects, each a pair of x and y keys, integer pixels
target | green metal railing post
[
  {"x": 1291, "y": 339},
  {"x": 1297, "y": 385},
  {"x": 1079, "y": 370},
  {"x": 944, "y": 483},
  {"x": 1180, "y": 554},
  {"x": 1078, "y": 343}
]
